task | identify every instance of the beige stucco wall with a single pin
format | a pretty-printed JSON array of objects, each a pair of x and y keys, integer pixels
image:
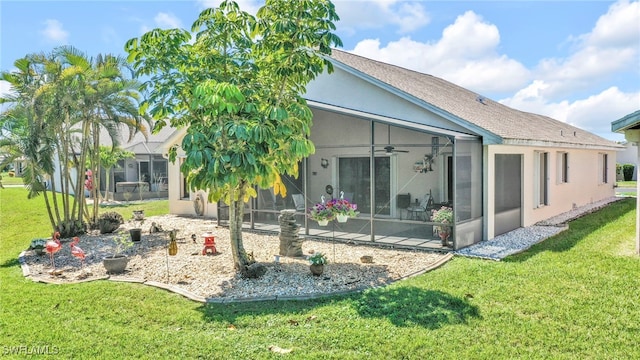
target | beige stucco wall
[
  {"x": 184, "y": 206},
  {"x": 584, "y": 186},
  {"x": 335, "y": 130}
]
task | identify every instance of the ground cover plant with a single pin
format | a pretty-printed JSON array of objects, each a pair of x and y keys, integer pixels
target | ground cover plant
[{"x": 571, "y": 296}]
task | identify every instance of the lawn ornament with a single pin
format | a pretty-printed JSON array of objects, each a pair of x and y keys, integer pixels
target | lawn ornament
[
  {"x": 77, "y": 251},
  {"x": 173, "y": 244},
  {"x": 209, "y": 244},
  {"x": 53, "y": 246}
]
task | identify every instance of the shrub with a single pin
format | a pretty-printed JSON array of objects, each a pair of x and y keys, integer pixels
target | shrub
[
  {"x": 109, "y": 222},
  {"x": 627, "y": 171}
]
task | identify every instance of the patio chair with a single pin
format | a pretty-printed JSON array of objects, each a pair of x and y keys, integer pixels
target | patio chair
[
  {"x": 298, "y": 201},
  {"x": 419, "y": 211}
]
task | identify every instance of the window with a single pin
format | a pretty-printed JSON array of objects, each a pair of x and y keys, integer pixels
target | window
[
  {"x": 541, "y": 179},
  {"x": 603, "y": 167},
  {"x": 563, "y": 167}
]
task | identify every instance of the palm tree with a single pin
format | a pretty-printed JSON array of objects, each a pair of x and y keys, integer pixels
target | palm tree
[
  {"x": 59, "y": 103},
  {"x": 106, "y": 99}
]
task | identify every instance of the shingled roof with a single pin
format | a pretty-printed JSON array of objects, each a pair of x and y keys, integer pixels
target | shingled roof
[{"x": 479, "y": 114}]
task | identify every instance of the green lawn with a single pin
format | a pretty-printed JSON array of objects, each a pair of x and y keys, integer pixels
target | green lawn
[
  {"x": 573, "y": 296},
  {"x": 10, "y": 180},
  {"x": 627, "y": 184}
]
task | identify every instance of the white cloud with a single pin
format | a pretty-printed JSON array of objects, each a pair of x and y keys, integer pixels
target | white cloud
[
  {"x": 167, "y": 21},
  {"x": 612, "y": 46},
  {"x": 610, "y": 49},
  {"x": 54, "y": 32},
  {"x": 250, "y": 6},
  {"x": 466, "y": 54},
  {"x": 594, "y": 113},
  {"x": 408, "y": 16},
  {"x": 5, "y": 89}
]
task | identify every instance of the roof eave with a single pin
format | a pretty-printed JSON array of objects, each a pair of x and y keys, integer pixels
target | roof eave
[
  {"x": 557, "y": 144},
  {"x": 627, "y": 122}
]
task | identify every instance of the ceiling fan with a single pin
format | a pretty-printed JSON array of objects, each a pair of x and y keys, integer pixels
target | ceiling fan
[{"x": 391, "y": 150}]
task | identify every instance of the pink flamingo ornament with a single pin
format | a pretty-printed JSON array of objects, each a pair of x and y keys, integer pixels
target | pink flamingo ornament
[
  {"x": 77, "y": 251},
  {"x": 53, "y": 246}
]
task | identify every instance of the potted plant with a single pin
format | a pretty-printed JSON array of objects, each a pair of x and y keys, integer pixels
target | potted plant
[
  {"x": 317, "y": 261},
  {"x": 443, "y": 216},
  {"x": 37, "y": 245},
  {"x": 320, "y": 213},
  {"x": 342, "y": 209},
  {"x": 116, "y": 263}
]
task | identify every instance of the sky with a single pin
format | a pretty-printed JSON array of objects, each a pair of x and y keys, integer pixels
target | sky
[{"x": 575, "y": 61}]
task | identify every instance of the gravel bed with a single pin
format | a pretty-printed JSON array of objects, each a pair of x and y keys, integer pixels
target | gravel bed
[
  {"x": 521, "y": 239},
  {"x": 213, "y": 276}
]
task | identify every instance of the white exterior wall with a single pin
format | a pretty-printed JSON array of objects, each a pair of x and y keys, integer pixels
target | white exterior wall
[
  {"x": 629, "y": 155},
  {"x": 184, "y": 206},
  {"x": 583, "y": 186},
  {"x": 345, "y": 90}
]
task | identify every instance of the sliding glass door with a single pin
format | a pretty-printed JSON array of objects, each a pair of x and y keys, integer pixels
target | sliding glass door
[{"x": 354, "y": 176}]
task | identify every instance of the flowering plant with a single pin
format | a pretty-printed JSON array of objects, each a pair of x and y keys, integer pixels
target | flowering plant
[
  {"x": 343, "y": 207},
  {"x": 444, "y": 216},
  {"x": 319, "y": 212}
]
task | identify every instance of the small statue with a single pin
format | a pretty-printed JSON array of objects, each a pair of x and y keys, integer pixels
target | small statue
[{"x": 155, "y": 228}]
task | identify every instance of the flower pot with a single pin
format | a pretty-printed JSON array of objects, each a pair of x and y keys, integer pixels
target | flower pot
[
  {"x": 443, "y": 237},
  {"x": 316, "y": 269},
  {"x": 324, "y": 222},
  {"x": 136, "y": 234},
  {"x": 115, "y": 264},
  {"x": 342, "y": 218}
]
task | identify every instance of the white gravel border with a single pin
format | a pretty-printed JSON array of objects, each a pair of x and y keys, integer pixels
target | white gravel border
[{"x": 521, "y": 239}]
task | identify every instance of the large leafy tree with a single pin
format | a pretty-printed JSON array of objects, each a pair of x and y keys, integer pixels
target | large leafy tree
[{"x": 238, "y": 86}]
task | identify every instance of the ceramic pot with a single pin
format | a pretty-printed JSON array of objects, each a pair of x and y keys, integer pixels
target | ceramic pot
[
  {"x": 342, "y": 218},
  {"x": 316, "y": 269},
  {"x": 115, "y": 264},
  {"x": 323, "y": 222},
  {"x": 136, "y": 234}
]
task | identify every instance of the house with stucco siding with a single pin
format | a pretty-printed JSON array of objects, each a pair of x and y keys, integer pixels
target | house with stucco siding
[{"x": 402, "y": 144}]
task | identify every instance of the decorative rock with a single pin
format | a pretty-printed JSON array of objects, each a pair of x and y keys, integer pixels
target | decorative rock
[
  {"x": 254, "y": 271},
  {"x": 366, "y": 259},
  {"x": 290, "y": 242}
]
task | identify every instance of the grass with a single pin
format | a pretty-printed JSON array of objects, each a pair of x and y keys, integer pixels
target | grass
[
  {"x": 627, "y": 184},
  {"x": 573, "y": 296},
  {"x": 10, "y": 180}
]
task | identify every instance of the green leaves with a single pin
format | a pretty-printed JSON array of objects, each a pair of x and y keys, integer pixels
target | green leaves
[{"x": 237, "y": 87}]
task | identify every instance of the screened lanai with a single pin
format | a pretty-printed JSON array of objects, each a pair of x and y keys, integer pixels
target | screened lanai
[{"x": 397, "y": 172}]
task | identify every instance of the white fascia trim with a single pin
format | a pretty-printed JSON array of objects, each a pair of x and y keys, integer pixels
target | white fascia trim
[{"x": 554, "y": 144}]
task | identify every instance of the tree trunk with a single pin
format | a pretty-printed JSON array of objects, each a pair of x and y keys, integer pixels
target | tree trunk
[{"x": 236, "y": 215}]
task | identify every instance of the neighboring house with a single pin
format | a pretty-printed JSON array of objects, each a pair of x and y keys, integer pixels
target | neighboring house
[
  {"x": 430, "y": 144},
  {"x": 628, "y": 155},
  {"x": 145, "y": 175},
  {"x": 629, "y": 125}
]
